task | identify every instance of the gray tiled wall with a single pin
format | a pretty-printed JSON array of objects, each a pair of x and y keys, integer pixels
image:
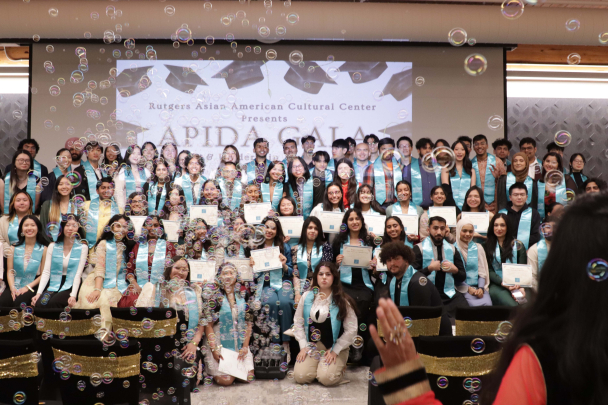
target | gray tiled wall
[{"x": 13, "y": 126}]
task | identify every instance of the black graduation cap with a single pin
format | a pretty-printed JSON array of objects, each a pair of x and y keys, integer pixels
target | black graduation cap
[
  {"x": 183, "y": 79},
  {"x": 241, "y": 73},
  {"x": 310, "y": 73},
  {"x": 404, "y": 129},
  {"x": 400, "y": 85},
  {"x": 134, "y": 81},
  {"x": 363, "y": 72},
  {"x": 123, "y": 129}
]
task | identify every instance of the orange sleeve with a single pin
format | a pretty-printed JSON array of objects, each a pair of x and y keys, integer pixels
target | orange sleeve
[{"x": 523, "y": 383}]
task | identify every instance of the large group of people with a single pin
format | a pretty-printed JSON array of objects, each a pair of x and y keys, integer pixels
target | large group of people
[{"x": 93, "y": 232}]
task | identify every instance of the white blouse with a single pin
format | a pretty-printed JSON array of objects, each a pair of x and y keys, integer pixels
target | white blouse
[
  {"x": 46, "y": 273},
  {"x": 321, "y": 306},
  {"x": 120, "y": 193}
]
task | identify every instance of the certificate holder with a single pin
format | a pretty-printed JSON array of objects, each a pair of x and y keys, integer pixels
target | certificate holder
[
  {"x": 375, "y": 223},
  {"x": 292, "y": 226},
  {"x": 172, "y": 230},
  {"x": 379, "y": 266},
  {"x": 256, "y": 212},
  {"x": 448, "y": 213},
  {"x": 331, "y": 221},
  {"x": 138, "y": 223},
  {"x": 206, "y": 212},
  {"x": 266, "y": 259},
  {"x": 516, "y": 274},
  {"x": 243, "y": 268},
  {"x": 480, "y": 220},
  {"x": 202, "y": 271},
  {"x": 356, "y": 256},
  {"x": 231, "y": 365},
  {"x": 410, "y": 223}
]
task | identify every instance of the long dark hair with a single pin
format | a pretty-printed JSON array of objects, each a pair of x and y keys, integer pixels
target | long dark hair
[
  {"x": 373, "y": 204},
  {"x": 490, "y": 246},
  {"x": 169, "y": 266},
  {"x": 290, "y": 177},
  {"x": 118, "y": 159},
  {"x": 55, "y": 209},
  {"x": 81, "y": 232},
  {"x": 153, "y": 147},
  {"x": 320, "y": 237},
  {"x": 560, "y": 167},
  {"x": 12, "y": 212},
  {"x": 466, "y": 162},
  {"x": 340, "y": 298},
  {"x": 327, "y": 205},
  {"x": 279, "y": 238},
  {"x": 153, "y": 177},
  {"x": 162, "y": 151},
  {"x": 13, "y": 182},
  {"x": 182, "y": 202},
  {"x": 40, "y": 238},
  {"x": 127, "y": 164},
  {"x": 206, "y": 201},
  {"x": 271, "y": 166},
  {"x": 482, "y": 203},
  {"x": 352, "y": 181},
  {"x": 108, "y": 235},
  {"x": 574, "y": 156},
  {"x": 158, "y": 218},
  {"x": 580, "y": 352},
  {"x": 292, "y": 201},
  {"x": 178, "y": 168},
  {"x": 402, "y": 235},
  {"x": 342, "y": 236}
]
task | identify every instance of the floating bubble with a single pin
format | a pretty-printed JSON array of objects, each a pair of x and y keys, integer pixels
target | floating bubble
[
  {"x": 603, "y": 38},
  {"x": 442, "y": 382},
  {"x": 475, "y": 64},
  {"x": 563, "y": 138},
  {"x": 517, "y": 245},
  {"x": 478, "y": 345},
  {"x": 422, "y": 281},
  {"x": 170, "y": 11},
  {"x": 358, "y": 342},
  {"x": 503, "y": 330},
  {"x": 574, "y": 59},
  {"x": 553, "y": 178},
  {"x": 295, "y": 57},
  {"x": 472, "y": 41},
  {"x": 597, "y": 270},
  {"x": 569, "y": 196},
  {"x": 408, "y": 322},
  {"x": 271, "y": 54},
  {"x": 457, "y": 36},
  {"x": 495, "y": 122},
  {"x": 53, "y": 12},
  {"x": 419, "y": 81},
  {"x": 572, "y": 25},
  {"x": 54, "y": 90},
  {"x": 546, "y": 229},
  {"x": 293, "y": 18},
  {"x": 512, "y": 9},
  {"x": 50, "y": 48}
]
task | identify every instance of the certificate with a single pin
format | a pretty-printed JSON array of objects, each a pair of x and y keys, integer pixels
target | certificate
[
  {"x": 375, "y": 223},
  {"x": 517, "y": 274},
  {"x": 480, "y": 220},
  {"x": 206, "y": 212},
  {"x": 172, "y": 230},
  {"x": 331, "y": 221},
  {"x": 230, "y": 364},
  {"x": 410, "y": 223},
  {"x": 292, "y": 226},
  {"x": 255, "y": 213},
  {"x": 356, "y": 256},
  {"x": 266, "y": 259},
  {"x": 138, "y": 223},
  {"x": 243, "y": 268},
  {"x": 202, "y": 271},
  {"x": 447, "y": 213},
  {"x": 379, "y": 266}
]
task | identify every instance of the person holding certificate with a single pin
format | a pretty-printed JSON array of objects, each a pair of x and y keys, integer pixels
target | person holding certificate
[
  {"x": 438, "y": 199},
  {"x": 502, "y": 247},
  {"x": 307, "y": 254},
  {"x": 274, "y": 184},
  {"x": 252, "y": 194},
  {"x": 157, "y": 189},
  {"x": 232, "y": 327},
  {"x": 404, "y": 204},
  {"x": 473, "y": 202},
  {"x": 460, "y": 178},
  {"x": 365, "y": 201},
  {"x": 270, "y": 284},
  {"x": 192, "y": 180},
  {"x": 345, "y": 176},
  {"x": 394, "y": 231},
  {"x": 477, "y": 285},
  {"x": 300, "y": 186},
  {"x": 177, "y": 207},
  {"x": 331, "y": 312},
  {"x": 132, "y": 176},
  {"x": 287, "y": 208},
  {"x": 235, "y": 249},
  {"x": 53, "y": 210}
]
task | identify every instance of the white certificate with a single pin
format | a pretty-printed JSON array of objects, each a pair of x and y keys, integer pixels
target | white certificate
[
  {"x": 356, "y": 256},
  {"x": 410, "y": 223},
  {"x": 266, "y": 259},
  {"x": 138, "y": 223},
  {"x": 375, "y": 223},
  {"x": 172, "y": 230},
  {"x": 447, "y": 213},
  {"x": 255, "y": 213},
  {"x": 331, "y": 221},
  {"x": 379, "y": 266},
  {"x": 230, "y": 364},
  {"x": 206, "y": 212},
  {"x": 202, "y": 271},
  {"x": 292, "y": 226},
  {"x": 480, "y": 220},
  {"x": 517, "y": 274},
  {"x": 242, "y": 266}
]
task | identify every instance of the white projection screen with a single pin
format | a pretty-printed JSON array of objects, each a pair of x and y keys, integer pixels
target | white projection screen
[{"x": 206, "y": 97}]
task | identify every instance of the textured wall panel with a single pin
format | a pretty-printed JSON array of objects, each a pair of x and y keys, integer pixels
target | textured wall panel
[
  {"x": 13, "y": 125},
  {"x": 541, "y": 118}
]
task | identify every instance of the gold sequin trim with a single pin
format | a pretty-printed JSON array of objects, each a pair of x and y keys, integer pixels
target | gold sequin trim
[
  {"x": 5, "y": 323},
  {"x": 420, "y": 327},
  {"x": 460, "y": 366},
  {"x": 22, "y": 366},
  {"x": 82, "y": 327},
  {"x": 478, "y": 328},
  {"x": 166, "y": 327},
  {"x": 120, "y": 367}
]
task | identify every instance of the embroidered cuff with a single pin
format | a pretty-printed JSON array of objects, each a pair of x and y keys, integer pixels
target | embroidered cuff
[{"x": 403, "y": 382}]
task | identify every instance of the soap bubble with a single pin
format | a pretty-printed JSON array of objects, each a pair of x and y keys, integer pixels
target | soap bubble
[
  {"x": 475, "y": 64},
  {"x": 495, "y": 122},
  {"x": 574, "y": 59},
  {"x": 457, "y": 36},
  {"x": 563, "y": 138},
  {"x": 512, "y": 9},
  {"x": 572, "y": 25},
  {"x": 597, "y": 270},
  {"x": 478, "y": 345}
]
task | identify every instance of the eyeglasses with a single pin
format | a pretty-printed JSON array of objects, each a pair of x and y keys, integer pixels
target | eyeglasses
[
  {"x": 23, "y": 161},
  {"x": 183, "y": 270},
  {"x": 334, "y": 193}
]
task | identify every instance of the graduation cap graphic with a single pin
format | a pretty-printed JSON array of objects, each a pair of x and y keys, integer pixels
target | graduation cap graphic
[
  {"x": 133, "y": 81},
  {"x": 404, "y": 129},
  {"x": 124, "y": 129},
  {"x": 183, "y": 79},
  {"x": 399, "y": 85},
  {"x": 309, "y": 78},
  {"x": 363, "y": 72},
  {"x": 242, "y": 73}
]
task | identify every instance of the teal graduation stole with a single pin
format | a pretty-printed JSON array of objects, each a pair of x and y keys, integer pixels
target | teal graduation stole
[
  {"x": 405, "y": 282},
  {"x": 114, "y": 277},
  {"x": 93, "y": 218},
  {"x": 37, "y": 169},
  {"x": 542, "y": 250},
  {"x": 57, "y": 267},
  {"x": 540, "y": 203},
  {"x": 448, "y": 254},
  {"x": 276, "y": 280},
  {"x": 188, "y": 190},
  {"x": 560, "y": 193},
  {"x": 497, "y": 263},
  {"x": 24, "y": 276},
  {"x": 460, "y": 186},
  {"x": 131, "y": 184},
  {"x": 336, "y": 324},
  {"x": 302, "y": 262},
  {"x": 237, "y": 193},
  {"x": 529, "y": 182},
  {"x": 508, "y": 162},
  {"x": 380, "y": 179},
  {"x": 346, "y": 272},
  {"x": 306, "y": 199},
  {"x": 91, "y": 179},
  {"x": 231, "y": 329},
  {"x": 251, "y": 169},
  {"x": 192, "y": 304},
  {"x": 411, "y": 209},
  {"x": 57, "y": 171},
  {"x": 158, "y": 262},
  {"x": 416, "y": 178},
  {"x": 331, "y": 165},
  {"x": 472, "y": 263},
  {"x": 277, "y": 194},
  {"x": 489, "y": 185},
  {"x": 525, "y": 224},
  {"x": 153, "y": 191},
  {"x": 13, "y": 229},
  {"x": 54, "y": 231},
  {"x": 8, "y": 192}
]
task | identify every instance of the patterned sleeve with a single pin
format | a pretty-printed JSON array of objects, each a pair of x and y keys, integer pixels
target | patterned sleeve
[
  {"x": 328, "y": 253},
  {"x": 100, "y": 260}
]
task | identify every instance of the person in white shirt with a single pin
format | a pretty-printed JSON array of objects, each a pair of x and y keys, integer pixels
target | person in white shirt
[
  {"x": 325, "y": 321},
  {"x": 131, "y": 177}
]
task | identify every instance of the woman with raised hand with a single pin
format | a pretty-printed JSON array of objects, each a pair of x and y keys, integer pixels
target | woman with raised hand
[
  {"x": 192, "y": 179},
  {"x": 131, "y": 177},
  {"x": 57, "y": 207},
  {"x": 477, "y": 286}
]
